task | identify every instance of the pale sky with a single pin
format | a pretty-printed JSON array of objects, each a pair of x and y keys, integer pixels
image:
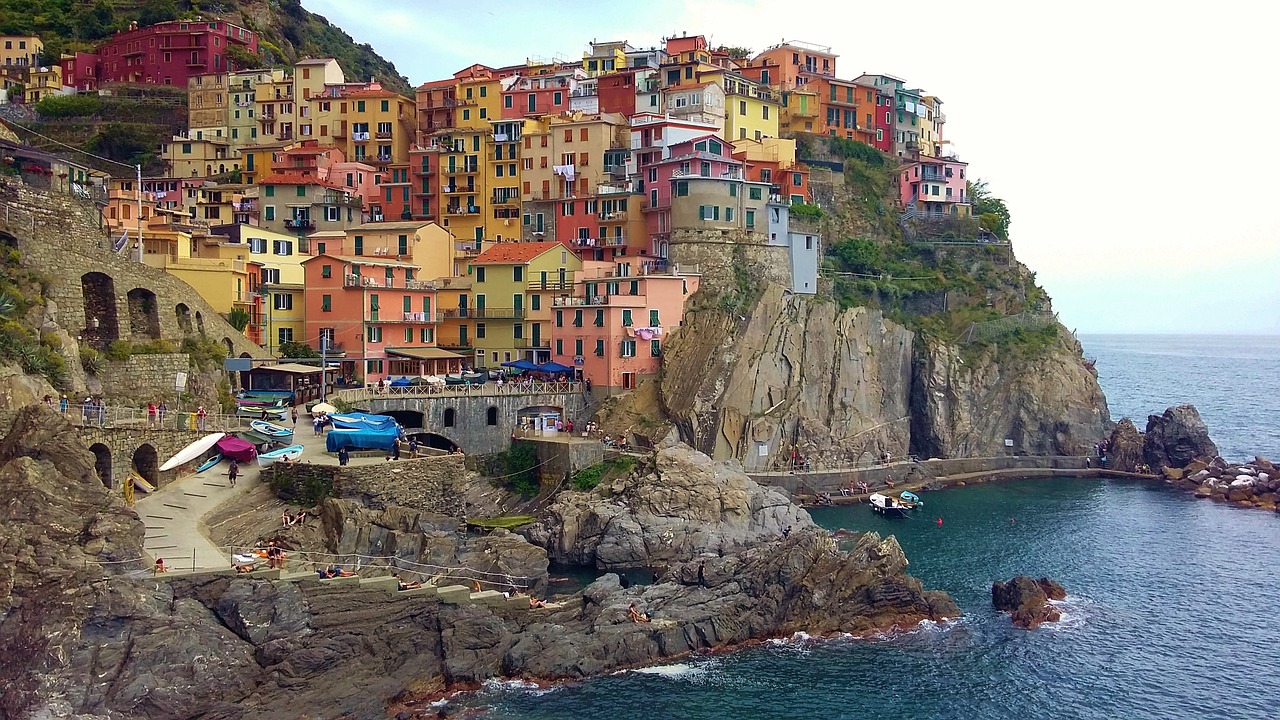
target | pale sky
[{"x": 1121, "y": 133}]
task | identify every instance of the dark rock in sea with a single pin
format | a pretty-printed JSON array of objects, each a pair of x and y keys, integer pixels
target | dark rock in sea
[
  {"x": 1176, "y": 438},
  {"x": 1027, "y": 600},
  {"x": 1124, "y": 447}
]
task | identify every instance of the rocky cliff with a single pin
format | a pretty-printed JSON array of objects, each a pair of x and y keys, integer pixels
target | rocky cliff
[
  {"x": 681, "y": 506},
  {"x": 89, "y": 635}
]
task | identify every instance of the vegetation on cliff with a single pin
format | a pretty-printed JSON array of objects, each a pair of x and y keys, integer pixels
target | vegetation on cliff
[{"x": 22, "y": 305}]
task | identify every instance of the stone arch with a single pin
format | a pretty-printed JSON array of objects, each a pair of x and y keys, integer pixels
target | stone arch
[
  {"x": 246, "y": 355},
  {"x": 230, "y": 346},
  {"x": 8, "y": 241},
  {"x": 146, "y": 463},
  {"x": 491, "y": 416},
  {"x": 435, "y": 440},
  {"x": 450, "y": 417},
  {"x": 101, "y": 324},
  {"x": 102, "y": 462},
  {"x": 144, "y": 314},
  {"x": 407, "y": 418},
  {"x": 199, "y": 322},
  {"x": 183, "y": 314}
]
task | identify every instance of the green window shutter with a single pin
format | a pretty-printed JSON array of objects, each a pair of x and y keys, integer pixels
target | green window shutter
[
  {"x": 653, "y": 318},
  {"x": 626, "y": 318}
]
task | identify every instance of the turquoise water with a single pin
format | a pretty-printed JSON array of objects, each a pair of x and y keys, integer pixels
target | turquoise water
[{"x": 1170, "y": 608}]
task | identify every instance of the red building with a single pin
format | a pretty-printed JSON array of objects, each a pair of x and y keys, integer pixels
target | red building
[
  {"x": 166, "y": 53},
  {"x": 617, "y": 92}
]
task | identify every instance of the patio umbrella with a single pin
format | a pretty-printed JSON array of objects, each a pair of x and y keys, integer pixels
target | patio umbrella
[
  {"x": 323, "y": 408},
  {"x": 554, "y": 368},
  {"x": 521, "y": 364}
]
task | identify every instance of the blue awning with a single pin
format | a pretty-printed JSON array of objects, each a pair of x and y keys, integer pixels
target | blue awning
[{"x": 554, "y": 368}]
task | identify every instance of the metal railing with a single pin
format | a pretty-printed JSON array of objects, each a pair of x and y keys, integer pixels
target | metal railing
[
  {"x": 120, "y": 417},
  {"x": 489, "y": 388}
]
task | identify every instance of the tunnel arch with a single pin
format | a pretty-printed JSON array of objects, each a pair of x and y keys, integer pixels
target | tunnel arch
[
  {"x": 183, "y": 313},
  {"x": 435, "y": 440},
  {"x": 101, "y": 323},
  {"x": 409, "y": 419},
  {"x": 102, "y": 462},
  {"x": 144, "y": 315},
  {"x": 146, "y": 463}
]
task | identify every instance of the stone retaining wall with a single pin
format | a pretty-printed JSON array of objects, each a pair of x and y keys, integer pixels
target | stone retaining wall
[
  {"x": 143, "y": 378},
  {"x": 429, "y": 484},
  {"x": 833, "y": 480}
]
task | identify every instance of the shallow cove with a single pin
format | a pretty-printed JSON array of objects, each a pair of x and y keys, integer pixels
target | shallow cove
[{"x": 1168, "y": 615}]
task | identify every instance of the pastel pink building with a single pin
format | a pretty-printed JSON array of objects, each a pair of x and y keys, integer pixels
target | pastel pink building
[
  {"x": 704, "y": 156},
  {"x": 937, "y": 187},
  {"x": 612, "y": 328},
  {"x": 328, "y": 165}
]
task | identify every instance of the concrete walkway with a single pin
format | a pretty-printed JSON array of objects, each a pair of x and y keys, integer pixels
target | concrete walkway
[{"x": 173, "y": 513}]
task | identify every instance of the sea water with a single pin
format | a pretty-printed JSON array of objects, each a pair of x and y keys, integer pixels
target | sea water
[{"x": 1169, "y": 613}]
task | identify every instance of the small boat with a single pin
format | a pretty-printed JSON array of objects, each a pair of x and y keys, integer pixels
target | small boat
[
  {"x": 278, "y": 413},
  {"x": 453, "y": 380},
  {"x": 272, "y": 431},
  {"x": 192, "y": 451},
  {"x": 887, "y": 505},
  {"x": 209, "y": 463},
  {"x": 911, "y": 499},
  {"x": 291, "y": 453},
  {"x": 475, "y": 378}
]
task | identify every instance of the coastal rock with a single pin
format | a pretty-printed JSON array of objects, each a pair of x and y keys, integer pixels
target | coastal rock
[
  {"x": 1177, "y": 438},
  {"x": 682, "y": 505},
  {"x": 1027, "y": 600},
  {"x": 1124, "y": 447}
]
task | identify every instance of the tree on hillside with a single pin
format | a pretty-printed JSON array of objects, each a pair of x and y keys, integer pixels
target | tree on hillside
[
  {"x": 293, "y": 349},
  {"x": 239, "y": 319},
  {"x": 990, "y": 210}
]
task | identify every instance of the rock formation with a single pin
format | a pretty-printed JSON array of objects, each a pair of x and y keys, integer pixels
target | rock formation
[
  {"x": 1124, "y": 447},
  {"x": 1048, "y": 404},
  {"x": 1176, "y": 438},
  {"x": 683, "y": 505},
  {"x": 1027, "y": 600},
  {"x": 1252, "y": 484}
]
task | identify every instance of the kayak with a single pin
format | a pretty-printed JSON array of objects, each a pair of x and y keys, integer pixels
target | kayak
[
  {"x": 192, "y": 451},
  {"x": 209, "y": 463}
]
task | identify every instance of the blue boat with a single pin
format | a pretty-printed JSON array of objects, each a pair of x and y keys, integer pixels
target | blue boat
[
  {"x": 910, "y": 497},
  {"x": 209, "y": 463},
  {"x": 291, "y": 453}
]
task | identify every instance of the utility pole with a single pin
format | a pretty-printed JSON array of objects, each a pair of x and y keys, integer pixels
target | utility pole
[
  {"x": 138, "y": 189},
  {"x": 324, "y": 364}
]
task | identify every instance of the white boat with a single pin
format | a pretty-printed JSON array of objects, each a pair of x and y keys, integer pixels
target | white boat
[
  {"x": 291, "y": 453},
  {"x": 270, "y": 430},
  {"x": 191, "y": 452},
  {"x": 888, "y": 505}
]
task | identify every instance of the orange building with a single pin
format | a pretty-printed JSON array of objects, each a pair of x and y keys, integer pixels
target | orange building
[{"x": 791, "y": 64}]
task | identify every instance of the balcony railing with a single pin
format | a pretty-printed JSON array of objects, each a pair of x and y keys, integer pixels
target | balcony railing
[
  {"x": 612, "y": 216},
  {"x": 457, "y": 189},
  {"x": 556, "y": 284},
  {"x": 459, "y": 210},
  {"x": 505, "y": 199},
  {"x": 492, "y": 313},
  {"x": 383, "y": 135},
  {"x": 614, "y": 240},
  {"x": 469, "y": 249},
  {"x": 300, "y": 224},
  {"x": 533, "y": 343},
  {"x": 335, "y": 199},
  {"x": 402, "y": 318},
  {"x": 245, "y": 206},
  {"x": 360, "y": 136}
]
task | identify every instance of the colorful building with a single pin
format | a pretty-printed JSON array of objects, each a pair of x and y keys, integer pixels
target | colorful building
[
  {"x": 540, "y": 90},
  {"x": 199, "y": 157},
  {"x": 936, "y": 187},
  {"x": 300, "y": 205},
  {"x": 280, "y": 303},
  {"x": 752, "y": 109},
  {"x": 511, "y": 283},
  {"x": 772, "y": 161},
  {"x": 791, "y": 65},
  {"x": 21, "y": 51},
  {"x": 801, "y": 111},
  {"x": 167, "y": 53},
  {"x": 242, "y": 106},
  {"x": 274, "y": 109},
  {"x": 611, "y": 329},
  {"x": 707, "y": 156},
  {"x": 375, "y": 125},
  {"x": 43, "y": 82},
  {"x": 377, "y": 316},
  {"x": 208, "y": 106}
]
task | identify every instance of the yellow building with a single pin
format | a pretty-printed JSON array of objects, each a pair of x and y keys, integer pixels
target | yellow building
[
  {"x": 20, "y": 50},
  {"x": 605, "y": 58},
  {"x": 242, "y": 88},
  {"x": 568, "y": 156},
  {"x": 766, "y": 150},
  {"x": 315, "y": 80},
  {"x": 43, "y": 82},
  {"x": 800, "y": 110},
  {"x": 479, "y": 101},
  {"x": 464, "y": 182},
  {"x": 752, "y": 110},
  {"x": 206, "y": 157},
  {"x": 426, "y": 245},
  {"x": 377, "y": 126},
  {"x": 280, "y": 282},
  {"x": 511, "y": 285},
  {"x": 208, "y": 106},
  {"x": 274, "y": 109},
  {"x": 256, "y": 159}
]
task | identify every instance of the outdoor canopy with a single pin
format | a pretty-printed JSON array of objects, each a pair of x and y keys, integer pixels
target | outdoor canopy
[
  {"x": 521, "y": 364},
  {"x": 554, "y": 368},
  {"x": 362, "y": 431},
  {"x": 400, "y": 382}
]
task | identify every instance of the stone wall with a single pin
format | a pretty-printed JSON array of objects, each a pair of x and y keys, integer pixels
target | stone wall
[
  {"x": 62, "y": 237},
  {"x": 721, "y": 255},
  {"x": 143, "y": 378},
  {"x": 431, "y": 484},
  {"x": 558, "y": 457},
  {"x": 469, "y": 427},
  {"x": 833, "y": 480}
]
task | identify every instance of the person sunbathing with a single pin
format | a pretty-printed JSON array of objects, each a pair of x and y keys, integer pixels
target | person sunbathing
[
  {"x": 160, "y": 567},
  {"x": 337, "y": 571},
  {"x": 536, "y": 603},
  {"x": 402, "y": 585},
  {"x": 634, "y": 615},
  {"x": 241, "y": 568},
  {"x": 325, "y": 574}
]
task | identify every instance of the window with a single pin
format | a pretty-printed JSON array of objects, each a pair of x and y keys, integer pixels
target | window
[
  {"x": 755, "y": 193},
  {"x": 600, "y": 347},
  {"x": 448, "y": 417},
  {"x": 577, "y": 318},
  {"x": 491, "y": 415},
  {"x": 257, "y": 246},
  {"x": 282, "y": 301},
  {"x": 359, "y": 245},
  {"x": 559, "y": 318},
  {"x": 653, "y": 318},
  {"x": 797, "y": 179},
  {"x": 751, "y": 218},
  {"x": 284, "y": 335},
  {"x": 326, "y": 303},
  {"x": 559, "y": 346},
  {"x": 269, "y": 212},
  {"x": 599, "y": 318},
  {"x": 506, "y": 101},
  {"x": 402, "y": 245},
  {"x": 655, "y": 348},
  {"x": 733, "y": 189},
  {"x": 628, "y": 348},
  {"x": 728, "y": 214},
  {"x": 742, "y": 107},
  {"x": 480, "y": 274},
  {"x": 326, "y": 271},
  {"x": 426, "y": 335},
  {"x": 481, "y": 329},
  {"x": 517, "y": 273},
  {"x": 577, "y": 346},
  {"x": 375, "y": 333},
  {"x": 332, "y": 213},
  {"x": 282, "y": 247},
  {"x": 682, "y": 188},
  {"x": 626, "y": 318},
  {"x": 557, "y": 98}
]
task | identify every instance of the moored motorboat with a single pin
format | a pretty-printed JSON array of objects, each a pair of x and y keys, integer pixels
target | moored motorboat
[
  {"x": 271, "y": 430},
  {"x": 888, "y": 505},
  {"x": 910, "y": 499},
  {"x": 291, "y": 453}
]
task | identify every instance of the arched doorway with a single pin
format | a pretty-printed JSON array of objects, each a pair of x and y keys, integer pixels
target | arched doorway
[
  {"x": 183, "y": 314},
  {"x": 199, "y": 322},
  {"x": 230, "y": 346},
  {"x": 144, "y": 316},
  {"x": 449, "y": 417},
  {"x": 409, "y": 419},
  {"x": 491, "y": 416},
  {"x": 101, "y": 325},
  {"x": 434, "y": 440},
  {"x": 146, "y": 464},
  {"x": 102, "y": 462}
]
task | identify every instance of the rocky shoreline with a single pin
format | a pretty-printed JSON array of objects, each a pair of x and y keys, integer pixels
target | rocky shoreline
[
  {"x": 90, "y": 635},
  {"x": 1176, "y": 447}
]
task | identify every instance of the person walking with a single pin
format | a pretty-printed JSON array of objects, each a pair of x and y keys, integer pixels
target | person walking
[
  {"x": 344, "y": 456},
  {"x": 201, "y": 414},
  {"x": 62, "y": 405},
  {"x": 233, "y": 472},
  {"x": 295, "y": 415},
  {"x": 161, "y": 412},
  {"x": 151, "y": 414},
  {"x": 395, "y": 449}
]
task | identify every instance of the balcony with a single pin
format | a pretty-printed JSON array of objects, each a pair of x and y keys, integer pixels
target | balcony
[
  {"x": 265, "y": 118},
  {"x": 934, "y": 177},
  {"x": 360, "y": 136},
  {"x": 616, "y": 216},
  {"x": 484, "y": 313},
  {"x": 245, "y": 206},
  {"x": 453, "y": 342},
  {"x": 300, "y": 224},
  {"x": 380, "y": 159},
  {"x": 460, "y": 210},
  {"x": 467, "y": 249},
  {"x": 402, "y": 318},
  {"x": 383, "y": 135},
  {"x": 556, "y": 284},
  {"x": 336, "y": 199},
  {"x": 504, "y": 199},
  {"x": 811, "y": 111},
  {"x": 614, "y": 240},
  {"x": 458, "y": 189},
  {"x": 533, "y": 343}
]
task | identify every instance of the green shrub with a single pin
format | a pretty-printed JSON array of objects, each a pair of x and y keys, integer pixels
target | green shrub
[
  {"x": 519, "y": 465},
  {"x": 154, "y": 347},
  {"x": 588, "y": 478},
  {"x": 66, "y": 106},
  {"x": 90, "y": 360},
  {"x": 805, "y": 211},
  {"x": 119, "y": 350}
]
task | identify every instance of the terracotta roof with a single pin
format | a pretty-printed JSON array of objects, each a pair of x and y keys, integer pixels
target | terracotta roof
[
  {"x": 371, "y": 93},
  {"x": 446, "y": 83},
  {"x": 515, "y": 252},
  {"x": 297, "y": 179}
]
